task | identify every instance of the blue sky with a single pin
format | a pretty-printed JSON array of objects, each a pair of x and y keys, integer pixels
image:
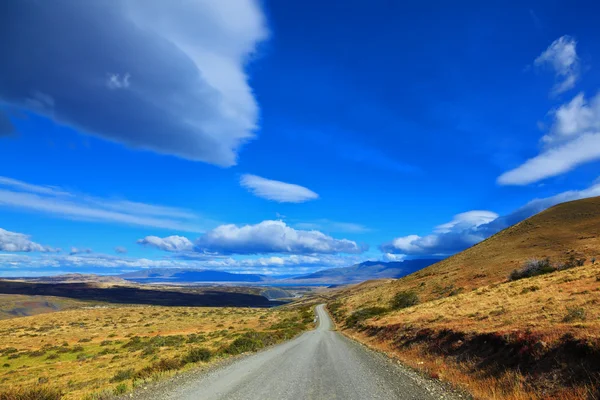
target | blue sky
[{"x": 284, "y": 137}]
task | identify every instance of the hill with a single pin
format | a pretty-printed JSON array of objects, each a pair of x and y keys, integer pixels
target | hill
[
  {"x": 364, "y": 271},
  {"x": 73, "y": 278},
  {"x": 188, "y": 275},
  {"x": 566, "y": 230},
  {"x": 469, "y": 320}
]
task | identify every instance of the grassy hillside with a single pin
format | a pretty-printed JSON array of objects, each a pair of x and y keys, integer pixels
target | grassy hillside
[
  {"x": 567, "y": 230},
  {"x": 465, "y": 321},
  {"x": 97, "y": 352}
]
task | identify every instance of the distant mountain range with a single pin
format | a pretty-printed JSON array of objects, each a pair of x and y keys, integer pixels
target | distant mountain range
[
  {"x": 190, "y": 275},
  {"x": 364, "y": 271},
  {"x": 353, "y": 274}
]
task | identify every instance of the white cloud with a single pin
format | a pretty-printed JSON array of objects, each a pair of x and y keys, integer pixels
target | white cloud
[
  {"x": 24, "y": 265},
  {"x": 573, "y": 140},
  {"x": 393, "y": 257},
  {"x": 468, "y": 229},
  {"x": 120, "y": 250},
  {"x": 116, "y": 81},
  {"x": 13, "y": 242},
  {"x": 561, "y": 55},
  {"x": 272, "y": 237},
  {"x": 182, "y": 64},
  {"x": 170, "y": 243},
  {"x": 60, "y": 203},
  {"x": 467, "y": 220},
  {"x": 281, "y": 192}
]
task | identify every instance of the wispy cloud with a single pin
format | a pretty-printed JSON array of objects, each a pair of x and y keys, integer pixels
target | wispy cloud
[
  {"x": 573, "y": 140},
  {"x": 278, "y": 191},
  {"x": 60, "y": 203},
  {"x": 120, "y": 250},
  {"x": 332, "y": 226},
  {"x": 77, "y": 250},
  {"x": 561, "y": 56}
]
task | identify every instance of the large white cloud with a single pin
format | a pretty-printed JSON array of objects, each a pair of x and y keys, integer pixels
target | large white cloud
[
  {"x": 152, "y": 74},
  {"x": 170, "y": 243},
  {"x": 470, "y": 228},
  {"x": 561, "y": 55},
  {"x": 19, "y": 242},
  {"x": 278, "y": 191},
  {"x": 63, "y": 204},
  {"x": 272, "y": 237},
  {"x": 573, "y": 139}
]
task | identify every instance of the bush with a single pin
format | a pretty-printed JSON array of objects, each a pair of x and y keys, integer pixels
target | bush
[
  {"x": 122, "y": 375},
  {"x": 164, "y": 365},
  {"x": 120, "y": 389},
  {"x": 404, "y": 299},
  {"x": 531, "y": 268},
  {"x": 357, "y": 317},
  {"x": 244, "y": 344},
  {"x": 197, "y": 354},
  {"x": 574, "y": 314}
]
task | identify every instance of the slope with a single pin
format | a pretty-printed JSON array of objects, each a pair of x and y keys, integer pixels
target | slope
[{"x": 464, "y": 320}]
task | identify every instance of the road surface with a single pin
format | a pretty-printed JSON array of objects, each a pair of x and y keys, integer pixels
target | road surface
[{"x": 320, "y": 364}]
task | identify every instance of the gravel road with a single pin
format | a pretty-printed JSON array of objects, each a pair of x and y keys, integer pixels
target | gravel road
[{"x": 320, "y": 364}]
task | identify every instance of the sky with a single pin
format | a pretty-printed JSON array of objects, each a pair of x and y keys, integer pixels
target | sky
[{"x": 284, "y": 137}]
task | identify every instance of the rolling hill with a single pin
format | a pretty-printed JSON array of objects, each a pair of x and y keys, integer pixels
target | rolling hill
[
  {"x": 465, "y": 319},
  {"x": 560, "y": 232}
]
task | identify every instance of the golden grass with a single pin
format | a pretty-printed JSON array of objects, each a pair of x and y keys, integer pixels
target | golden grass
[
  {"x": 547, "y": 306},
  {"x": 539, "y": 304},
  {"x": 565, "y": 230},
  {"x": 468, "y": 295},
  {"x": 45, "y": 346}
]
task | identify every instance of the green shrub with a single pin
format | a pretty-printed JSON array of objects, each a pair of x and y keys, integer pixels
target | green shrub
[
  {"x": 164, "y": 365},
  {"x": 357, "y": 317},
  {"x": 121, "y": 388},
  {"x": 197, "y": 354},
  {"x": 244, "y": 344},
  {"x": 574, "y": 314},
  {"x": 36, "y": 353},
  {"x": 123, "y": 375},
  {"x": 404, "y": 299}
]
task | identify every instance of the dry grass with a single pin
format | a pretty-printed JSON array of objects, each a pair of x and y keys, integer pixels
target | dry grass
[
  {"x": 467, "y": 302},
  {"x": 84, "y": 352},
  {"x": 547, "y": 308},
  {"x": 538, "y": 304},
  {"x": 565, "y": 230}
]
